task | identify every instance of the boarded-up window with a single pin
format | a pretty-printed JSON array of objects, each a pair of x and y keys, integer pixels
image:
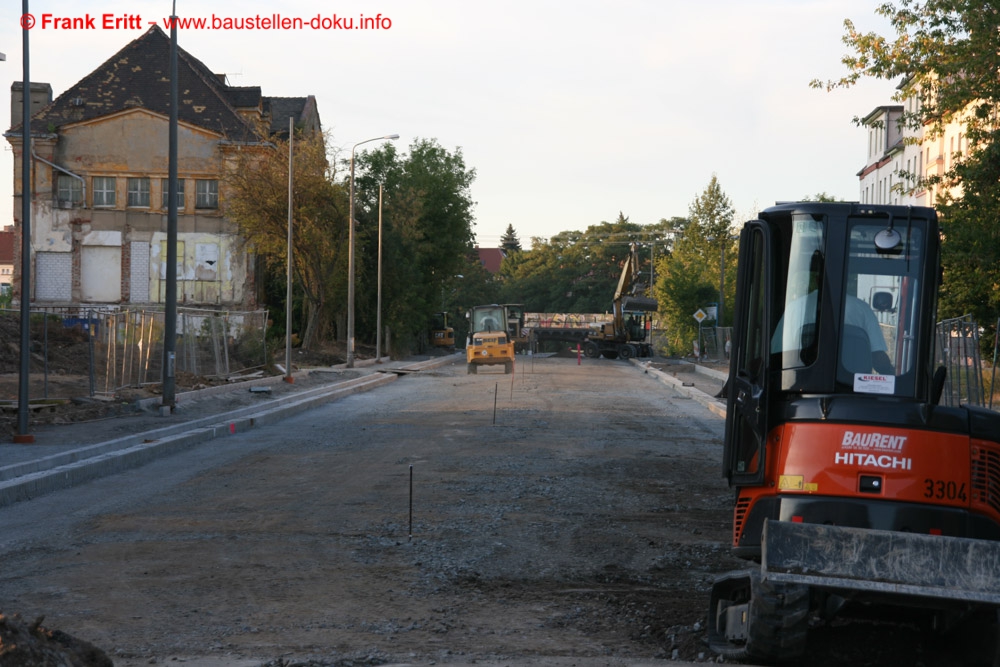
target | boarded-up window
[
  {"x": 101, "y": 274},
  {"x": 206, "y": 261},
  {"x": 139, "y": 272},
  {"x": 180, "y": 260},
  {"x": 162, "y": 292},
  {"x": 53, "y": 276}
]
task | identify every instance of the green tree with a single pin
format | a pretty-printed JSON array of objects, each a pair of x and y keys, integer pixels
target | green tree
[
  {"x": 509, "y": 241},
  {"x": 971, "y": 246},
  {"x": 691, "y": 274},
  {"x": 427, "y": 237},
  {"x": 820, "y": 196},
  {"x": 257, "y": 182},
  {"x": 577, "y": 272},
  {"x": 946, "y": 53}
]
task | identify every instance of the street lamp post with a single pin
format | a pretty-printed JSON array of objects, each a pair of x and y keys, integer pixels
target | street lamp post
[
  {"x": 722, "y": 272},
  {"x": 723, "y": 239},
  {"x": 378, "y": 298},
  {"x": 288, "y": 268},
  {"x": 350, "y": 256},
  {"x": 722, "y": 280}
]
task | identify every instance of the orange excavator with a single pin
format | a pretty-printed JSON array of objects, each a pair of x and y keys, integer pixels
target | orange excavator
[{"x": 854, "y": 487}]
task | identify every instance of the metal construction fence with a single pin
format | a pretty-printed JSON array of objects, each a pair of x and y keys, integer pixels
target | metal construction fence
[
  {"x": 957, "y": 349},
  {"x": 123, "y": 347},
  {"x": 714, "y": 343}
]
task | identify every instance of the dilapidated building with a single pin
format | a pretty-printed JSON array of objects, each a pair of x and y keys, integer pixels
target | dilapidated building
[{"x": 99, "y": 173}]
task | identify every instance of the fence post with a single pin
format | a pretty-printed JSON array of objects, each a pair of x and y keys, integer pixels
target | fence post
[
  {"x": 90, "y": 349},
  {"x": 45, "y": 345}
]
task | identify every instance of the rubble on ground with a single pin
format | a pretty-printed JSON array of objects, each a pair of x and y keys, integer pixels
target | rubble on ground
[{"x": 25, "y": 644}]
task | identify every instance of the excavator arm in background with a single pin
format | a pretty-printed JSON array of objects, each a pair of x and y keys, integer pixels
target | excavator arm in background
[{"x": 630, "y": 295}]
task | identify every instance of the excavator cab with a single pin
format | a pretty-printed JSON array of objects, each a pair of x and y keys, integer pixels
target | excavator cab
[
  {"x": 834, "y": 300},
  {"x": 442, "y": 335}
]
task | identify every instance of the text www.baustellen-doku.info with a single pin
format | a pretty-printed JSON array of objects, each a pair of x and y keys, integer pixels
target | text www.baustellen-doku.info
[{"x": 117, "y": 21}]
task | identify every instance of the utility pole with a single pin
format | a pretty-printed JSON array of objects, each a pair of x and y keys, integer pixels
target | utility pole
[
  {"x": 22, "y": 436},
  {"x": 288, "y": 272},
  {"x": 169, "y": 400}
]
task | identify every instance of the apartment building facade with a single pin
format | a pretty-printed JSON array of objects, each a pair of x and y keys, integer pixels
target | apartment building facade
[
  {"x": 99, "y": 181},
  {"x": 900, "y": 160}
]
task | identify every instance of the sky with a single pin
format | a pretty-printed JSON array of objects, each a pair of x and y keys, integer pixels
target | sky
[{"x": 569, "y": 112}]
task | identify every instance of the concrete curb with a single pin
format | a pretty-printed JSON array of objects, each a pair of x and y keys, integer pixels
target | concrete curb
[
  {"x": 695, "y": 394},
  {"x": 30, "y": 479},
  {"x": 711, "y": 372}
]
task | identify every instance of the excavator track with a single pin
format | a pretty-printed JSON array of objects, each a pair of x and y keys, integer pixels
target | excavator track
[{"x": 756, "y": 619}]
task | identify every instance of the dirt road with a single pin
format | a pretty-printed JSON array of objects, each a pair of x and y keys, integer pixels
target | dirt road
[
  {"x": 579, "y": 521},
  {"x": 587, "y": 521}
]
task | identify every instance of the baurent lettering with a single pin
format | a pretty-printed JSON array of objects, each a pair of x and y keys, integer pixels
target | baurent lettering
[
  {"x": 879, "y": 441},
  {"x": 873, "y": 461}
]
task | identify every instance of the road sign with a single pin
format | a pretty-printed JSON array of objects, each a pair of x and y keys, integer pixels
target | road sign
[{"x": 700, "y": 316}]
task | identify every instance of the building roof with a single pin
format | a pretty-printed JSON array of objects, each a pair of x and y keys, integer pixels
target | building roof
[
  {"x": 139, "y": 76},
  {"x": 6, "y": 247},
  {"x": 302, "y": 109},
  {"x": 491, "y": 258}
]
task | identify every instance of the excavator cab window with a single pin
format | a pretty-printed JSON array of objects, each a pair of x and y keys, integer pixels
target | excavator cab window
[
  {"x": 796, "y": 335},
  {"x": 848, "y": 298},
  {"x": 880, "y": 308}
]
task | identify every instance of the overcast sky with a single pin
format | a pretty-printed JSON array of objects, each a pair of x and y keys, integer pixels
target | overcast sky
[{"x": 568, "y": 111}]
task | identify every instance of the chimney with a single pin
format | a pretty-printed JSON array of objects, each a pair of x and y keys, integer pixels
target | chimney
[{"x": 40, "y": 95}]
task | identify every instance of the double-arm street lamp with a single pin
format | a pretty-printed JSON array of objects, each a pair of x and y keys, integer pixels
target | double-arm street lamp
[{"x": 350, "y": 256}]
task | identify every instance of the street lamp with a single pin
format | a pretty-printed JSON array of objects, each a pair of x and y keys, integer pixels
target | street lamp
[
  {"x": 722, "y": 285},
  {"x": 378, "y": 299},
  {"x": 288, "y": 269},
  {"x": 722, "y": 271},
  {"x": 350, "y": 256}
]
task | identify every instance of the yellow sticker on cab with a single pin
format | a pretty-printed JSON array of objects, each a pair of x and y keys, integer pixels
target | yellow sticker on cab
[{"x": 791, "y": 483}]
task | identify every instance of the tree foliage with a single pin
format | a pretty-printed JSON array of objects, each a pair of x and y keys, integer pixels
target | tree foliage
[
  {"x": 947, "y": 55},
  {"x": 427, "y": 236},
  {"x": 690, "y": 276},
  {"x": 509, "y": 241},
  {"x": 971, "y": 246},
  {"x": 257, "y": 183},
  {"x": 426, "y": 232},
  {"x": 577, "y": 272}
]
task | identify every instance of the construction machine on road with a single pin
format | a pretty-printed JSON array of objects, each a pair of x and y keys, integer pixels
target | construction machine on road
[
  {"x": 514, "y": 317},
  {"x": 442, "y": 335},
  {"x": 629, "y": 333},
  {"x": 854, "y": 488},
  {"x": 489, "y": 343}
]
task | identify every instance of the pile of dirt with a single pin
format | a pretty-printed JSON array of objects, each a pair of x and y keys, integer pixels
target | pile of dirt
[{"x": 32, "y": 645}]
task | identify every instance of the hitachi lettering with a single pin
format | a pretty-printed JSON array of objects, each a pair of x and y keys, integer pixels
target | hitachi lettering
[
  {"x": 879, "y": 441},
  {"x": 873, "y": 461}
]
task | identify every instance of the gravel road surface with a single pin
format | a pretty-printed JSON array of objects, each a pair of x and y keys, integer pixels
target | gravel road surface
[{"x": 566, "y": 515}]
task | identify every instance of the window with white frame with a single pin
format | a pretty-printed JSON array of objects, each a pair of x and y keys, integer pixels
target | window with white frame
[
  {"x": 207, "y": 194},
  {"x": 69, "y": 190},
  {"x": 165, "y": 187},
  {"x": 138, "y": 192},
  {"x": 104, "y": 190}
]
